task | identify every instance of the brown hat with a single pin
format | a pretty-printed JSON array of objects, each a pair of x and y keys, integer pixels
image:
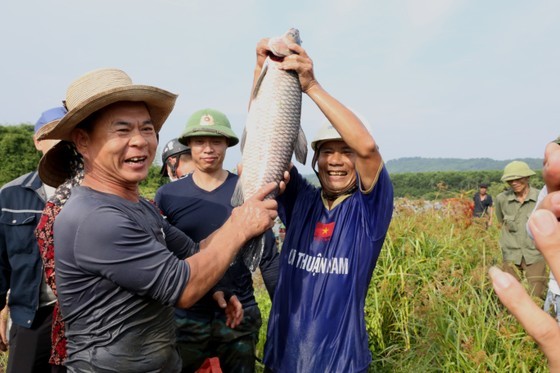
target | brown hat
[
  {"x": 101, "y": 88},
  {"x": 59, "y": 163}
]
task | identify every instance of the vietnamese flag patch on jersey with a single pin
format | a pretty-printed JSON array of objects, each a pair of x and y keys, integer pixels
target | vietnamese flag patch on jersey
[{"x": 323, "y": 231}]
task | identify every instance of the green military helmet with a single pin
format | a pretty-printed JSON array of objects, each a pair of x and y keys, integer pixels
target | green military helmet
[
  {"x": 516, "y": 170},
  {"x": 208, "y": 122}
]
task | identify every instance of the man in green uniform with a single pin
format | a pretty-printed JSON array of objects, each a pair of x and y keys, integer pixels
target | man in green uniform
[{"x": 513, "y": 208}]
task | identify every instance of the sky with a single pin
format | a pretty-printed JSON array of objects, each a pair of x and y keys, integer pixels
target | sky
[{"x": 433, "y": 78}]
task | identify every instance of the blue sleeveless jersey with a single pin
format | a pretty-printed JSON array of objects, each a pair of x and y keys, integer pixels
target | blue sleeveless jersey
[{"x": 316, "y": 323}]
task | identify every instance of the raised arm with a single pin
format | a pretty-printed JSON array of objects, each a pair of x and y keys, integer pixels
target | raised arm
[{"x": 350, "y": 127}]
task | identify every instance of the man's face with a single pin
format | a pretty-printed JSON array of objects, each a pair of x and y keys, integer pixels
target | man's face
[
  {"x": 336, "y": 163},
  {"x": 121, "y": 145},
  {"x": 483, "y": 190},
  {"x": 519, "y": 185},
  {"x": 208, "y": 152}
]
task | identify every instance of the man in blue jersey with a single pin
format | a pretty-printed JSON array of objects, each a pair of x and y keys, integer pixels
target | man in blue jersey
[
  {"x": 333, "y": 238},
  {"x": 198, "y": 204}
]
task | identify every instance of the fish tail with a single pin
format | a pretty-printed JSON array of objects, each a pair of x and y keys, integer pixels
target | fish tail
[
  {"x": 237, "y": 198},
  {"x": 251, "y": 253}
]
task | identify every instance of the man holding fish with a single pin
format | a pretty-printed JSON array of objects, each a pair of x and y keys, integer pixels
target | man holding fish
[{"x": 333, "y": 238}]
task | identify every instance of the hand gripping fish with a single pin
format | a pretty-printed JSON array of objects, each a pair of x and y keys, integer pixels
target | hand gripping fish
[{"x": 272, "y": 133}]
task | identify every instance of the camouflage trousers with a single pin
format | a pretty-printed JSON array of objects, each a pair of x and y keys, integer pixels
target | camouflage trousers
[{"x": 206, "y": 336}]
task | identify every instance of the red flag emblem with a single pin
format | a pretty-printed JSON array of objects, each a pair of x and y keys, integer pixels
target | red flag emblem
[{"x": 323, "y": 231}]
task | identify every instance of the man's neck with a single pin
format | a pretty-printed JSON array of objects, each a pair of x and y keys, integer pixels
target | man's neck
[
  {"x": 209, "y": 180},
  {"x": 130, "y": 193}
]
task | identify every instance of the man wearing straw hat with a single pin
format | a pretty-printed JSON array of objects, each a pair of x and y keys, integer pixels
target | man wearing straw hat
[
  {"x": 513, "y": 208},
  {"x": 31, "y": 301},
  {"x": 120, "y": 268}
]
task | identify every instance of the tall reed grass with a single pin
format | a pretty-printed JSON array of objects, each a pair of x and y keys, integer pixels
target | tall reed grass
[{"x": 430, "y": 305}]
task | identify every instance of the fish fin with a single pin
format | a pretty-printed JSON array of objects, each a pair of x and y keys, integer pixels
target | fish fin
[
  {"x": 252, "y": 251},
  {"x": 259, "y": 81},
  {"x": 300, "y": 147},
  {"x": 237, "y": 198},
  {"x": 242, "y": 141}
]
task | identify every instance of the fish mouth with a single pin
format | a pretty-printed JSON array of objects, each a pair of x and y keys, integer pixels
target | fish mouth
[{"x": 274, "y": 57}]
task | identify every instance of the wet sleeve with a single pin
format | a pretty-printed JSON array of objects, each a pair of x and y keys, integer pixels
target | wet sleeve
[
  {"x": 178, "y": 242},
  {"x": 111, "y": 245}
]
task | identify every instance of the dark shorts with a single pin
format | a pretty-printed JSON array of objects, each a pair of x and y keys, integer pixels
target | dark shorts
[
  {"x": 199, "y": 338},
  {"x": 30, "y": 348}
]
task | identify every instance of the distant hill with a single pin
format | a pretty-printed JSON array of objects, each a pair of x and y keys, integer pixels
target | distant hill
[{"x": 419, "y": 164}]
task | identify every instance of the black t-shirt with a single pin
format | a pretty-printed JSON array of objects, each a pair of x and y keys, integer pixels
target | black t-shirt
[
  {"x": 481, "y": 206},
  {"x": 198, "y": 213},
  {"x": 117, "y": 282}
]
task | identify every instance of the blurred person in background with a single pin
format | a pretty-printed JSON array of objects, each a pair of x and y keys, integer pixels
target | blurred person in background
[
  {"x": 31, "y": 301},
  {"x": 513, "y": 208},
  {"x": 483, "y": 205},
  {"x": 177, "y": 160}
]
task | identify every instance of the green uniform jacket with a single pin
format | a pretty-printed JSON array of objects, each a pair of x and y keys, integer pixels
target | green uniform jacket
[{"x": 513, "y": 215}]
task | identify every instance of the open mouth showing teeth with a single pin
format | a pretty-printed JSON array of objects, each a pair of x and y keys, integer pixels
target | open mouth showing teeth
[
  {"x": 135, "y": 159},
  {"x": 337, "y": 173}
]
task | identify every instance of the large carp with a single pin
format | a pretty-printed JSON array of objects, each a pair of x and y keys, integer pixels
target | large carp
[{"x": 272, "y": 133}]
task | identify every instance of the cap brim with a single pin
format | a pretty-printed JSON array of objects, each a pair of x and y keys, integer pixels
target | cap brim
[{"x": 230, "y": 136}]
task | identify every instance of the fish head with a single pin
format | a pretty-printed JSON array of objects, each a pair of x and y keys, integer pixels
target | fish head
[{"x": 279, "y": 45}]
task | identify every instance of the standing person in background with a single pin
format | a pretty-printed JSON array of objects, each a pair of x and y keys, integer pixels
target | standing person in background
[
  {"x": 545, "y": 229},
  {"x": 513, "y": 208},
  {"x": 120, "y": 267},
  {"x": 334, "y": 235},
  {"x": 31, "y": 301},
  {"x": 177, "y": 160},
  {"x": 63, "y": 153},
  {"x": 483, "y": 205},
  {"x": 198, "y": 205}
]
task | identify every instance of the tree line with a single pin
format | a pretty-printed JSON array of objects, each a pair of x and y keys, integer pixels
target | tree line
[{"x": 19, "y": 156}]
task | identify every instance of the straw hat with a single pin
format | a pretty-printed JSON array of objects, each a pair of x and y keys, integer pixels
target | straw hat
[{"x": 103, "y": 87}]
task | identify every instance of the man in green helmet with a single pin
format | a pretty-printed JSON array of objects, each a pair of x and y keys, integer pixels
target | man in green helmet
[{"x": 513, "y": 208}]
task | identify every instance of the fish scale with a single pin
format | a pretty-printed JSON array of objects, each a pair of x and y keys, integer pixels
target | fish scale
[{"x": 272, "y": 133}]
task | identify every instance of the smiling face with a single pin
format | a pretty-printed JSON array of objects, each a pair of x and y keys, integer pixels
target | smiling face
[
  {"x": 119, "y": 146},
  {"x": 208, "y": 152},
  {"x": 336, "y": 164}
]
